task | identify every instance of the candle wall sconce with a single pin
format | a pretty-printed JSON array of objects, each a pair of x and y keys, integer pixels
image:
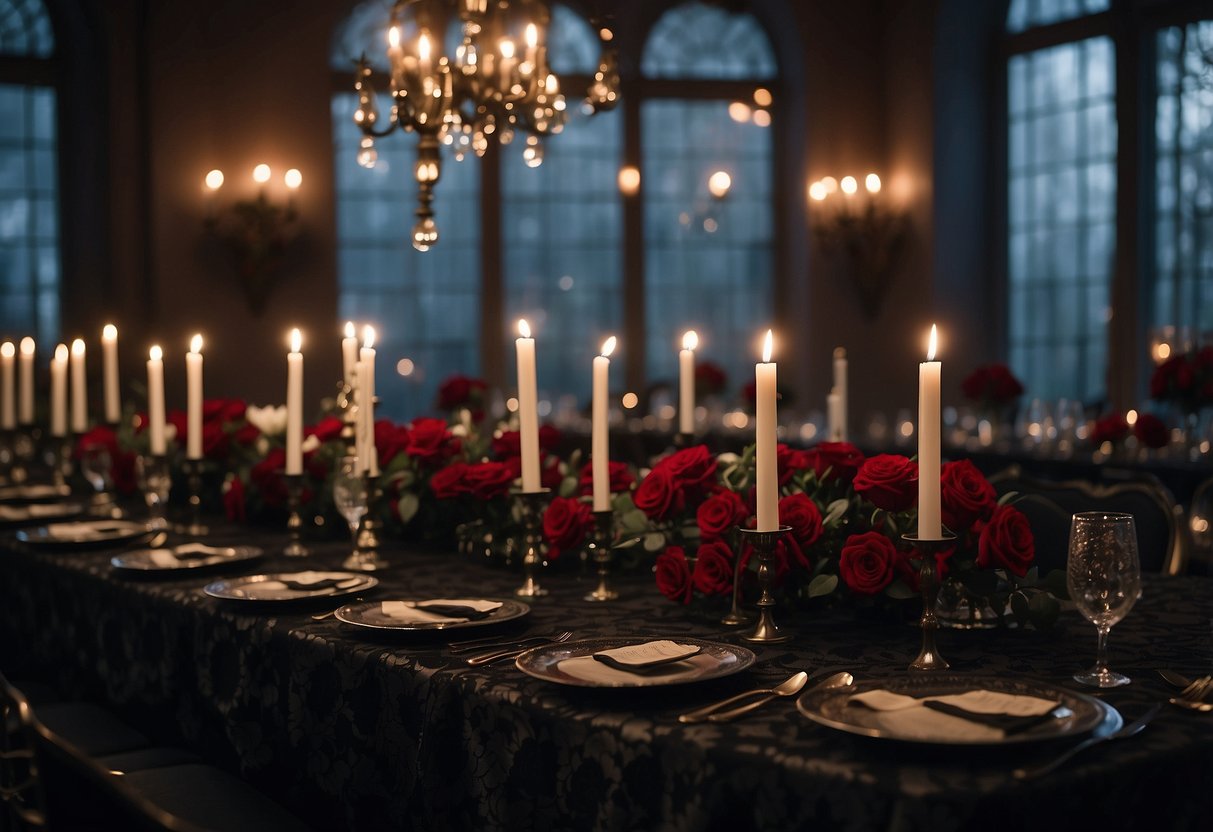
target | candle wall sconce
[
  {"x": 861, "y": 231},
  {"x": 256, "y": 231}
]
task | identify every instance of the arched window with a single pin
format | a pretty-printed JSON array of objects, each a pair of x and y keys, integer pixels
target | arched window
[{"x": 29, "y": 203}]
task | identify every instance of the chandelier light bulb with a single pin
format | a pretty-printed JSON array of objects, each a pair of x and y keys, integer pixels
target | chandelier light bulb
[
  {"x": 393, "y": 36},
  {"x": 872, "y": 183},
  {"x": 423, "y": 46},
  {"x": 367, "y": 154},
  {"x": 214, "y": 179},
  {"x": 817, "y": 191},
  {"x": 849, "y": 185},
  {"x": 830, "y": 184},
  {"x": 261, "y": 174},
  {"x": 719, "y": 184},
  {"x": 425, "y": 234},
  {"x": 293, "y": 179},
  {"x": 507, "y": 48},
  {"x": 532, "y": 36},
  {"x": 629, "y": 180}
]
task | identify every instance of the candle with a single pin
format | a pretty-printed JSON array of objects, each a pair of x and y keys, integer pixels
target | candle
[
  {"x": 686, "y": 382},
  {"x": 109, "y": 355},
  {"x": 528, "y": 408},
  {"x": 193, "y": 414},
  {"x": 930, "y": 526},
  {"x": 359, "y": 432},
  {"x": 600, "y": 450},
  {"x": 294, "y": 406},
  {"x": 59, "y": 392},
  {"x": 834, "y": 412},
  {"x": 79, "y": 389},
  {"x": 840, "y": 387},
  {"x": 767, "y": 474},
  {"x": 366, "y": 400},
  {"x": 155, "y": 399},
  {"x": 25, "y": 409},
  {"x": 349, "y": 354},
  {"x": 532, "y": 41},
  {"x": 8, "y": 386}
]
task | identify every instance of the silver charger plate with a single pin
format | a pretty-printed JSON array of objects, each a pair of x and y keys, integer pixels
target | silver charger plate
[
  {"x": 1078, "y": 714},
  {"x": 714, "y": 661},
  {"x": 247, "y": 588},
  {"x": 369, "y": 615},
  {"x": 26, "y": 514},
  {"x": 15, "y": 494},
  {"x": 141, "y": 561},
  {"x": 85, "y": 534}
]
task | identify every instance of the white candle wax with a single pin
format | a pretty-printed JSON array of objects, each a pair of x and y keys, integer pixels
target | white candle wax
[
  {"x": 528, "y": 409},
  {"x": 193, "y": 378},
  {"x": 767, "y": 474},
  {"x": 840, "y": 387},
  {"x": 59, "y": 392},
  {"x": 600, "y": 442},
  {"x": 109, "y": 355},
  {"x": 294, "y": 406},
  {"x": 686, "y": 383},
  {"x": 8, "y": 386},
  {"x": 836, "y": 432},
  {"x": 349, "y": 353},
  {"x": 366, "y": 400},
  {"x": 359, "y": 429},
  {"x": 25, "y": 409},
  {"x": 930, "y": 525},
  {"x": 79, "y": 388},
  {"x": 155, "y": 400}
]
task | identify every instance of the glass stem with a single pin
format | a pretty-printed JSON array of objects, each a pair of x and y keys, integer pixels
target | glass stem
[{"x": 1101, "y": 652}]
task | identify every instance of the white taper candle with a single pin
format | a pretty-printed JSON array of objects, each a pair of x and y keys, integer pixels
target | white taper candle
[
  {"x": 155, "y": 400},
  {"x": 193, "y": 412},
  {"x": 765, "y": 407},
  {"x": 528, "y": 409},
  {"x": 930, "y": 525},
  {"x": 600, "y": 442},
  {"x": 294, "y": 405},
  {"x": 686, "y": 382}
]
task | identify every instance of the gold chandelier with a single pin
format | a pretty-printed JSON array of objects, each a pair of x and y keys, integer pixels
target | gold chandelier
[{"x": 496, "y": 82}]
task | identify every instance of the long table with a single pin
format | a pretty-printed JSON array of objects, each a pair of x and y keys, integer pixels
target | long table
[{"x": 356, "y": 733}]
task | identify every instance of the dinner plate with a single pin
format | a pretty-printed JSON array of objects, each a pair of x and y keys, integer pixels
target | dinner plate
[
  {"x": 371, "y": 616},
  {"x": 189, "y": 558},
  {"x": 25, "y": 514},
  {"x": 269, "y": 589},
  {"x": 1076, "y": 715},
  {"x": 572, "y": 663},
  {"x": 42, "y": 493},
  {"x": 84, "y": 534}
]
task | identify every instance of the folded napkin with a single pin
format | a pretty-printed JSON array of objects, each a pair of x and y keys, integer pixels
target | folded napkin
[
  {"x": 972, "y": 716},
  {"x": 36, "y": 511},
  {"x": 439, "y": 610},
  {"x": 306, "y": 582},
  {"x": 591, "y": 669},
  {"x": 87, "y": 530},
  {"x": 642, "y": 657}
]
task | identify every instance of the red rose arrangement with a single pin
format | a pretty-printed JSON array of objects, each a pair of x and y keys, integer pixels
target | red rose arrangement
[
  {"x": 1185, "y": 379},
  {"x": 992, "y": 386}
]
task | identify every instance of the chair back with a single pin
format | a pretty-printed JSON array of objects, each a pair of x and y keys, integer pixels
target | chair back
[
  {"x": 1050, "y": 505},
  {"x": 1200, "y": 527},
  {"x": 21, "y": 795}
]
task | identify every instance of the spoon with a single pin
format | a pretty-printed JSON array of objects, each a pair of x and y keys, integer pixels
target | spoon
[
  {"x": 838, "y": 680},
  {"x": 1173, "y": 678},
  {"x": 787, "y": 687}
]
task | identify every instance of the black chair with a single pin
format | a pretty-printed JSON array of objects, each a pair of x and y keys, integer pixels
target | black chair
[
  {"x": 24, "y": 803},
  {"x": 1200, "y": 528},
  {"x": 1049, "y": 506}
]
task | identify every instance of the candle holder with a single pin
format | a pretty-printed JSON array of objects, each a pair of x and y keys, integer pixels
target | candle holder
[
  {"x": 365, "y": 557},
  {"x": 600, "y": 550},
  {"x": 193, "y": 471},
  {"x": 157, "y": 481},
  {"x": 531, "y": 506},
  {"x": 294, "y": 522},
  {"x": 766, "y": 631},
  {"x": 928, "y": 655},
  {"x": 735, "y": 617}
]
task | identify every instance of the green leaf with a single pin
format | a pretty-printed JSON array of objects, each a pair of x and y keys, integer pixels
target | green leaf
[
  {"x": 654, "y": 542},
  {"x": 1044, "y": 610},
  {"x": 1008, "y": 498},
  {"x": 899, "y": 591},
  {"x": 633, "y": 522},
  {"x": 822, "y": 585},
  {"x": 568, "y": 487},
  {"x": 407, "y": 506},
  {"x": 835, "y": 511}
]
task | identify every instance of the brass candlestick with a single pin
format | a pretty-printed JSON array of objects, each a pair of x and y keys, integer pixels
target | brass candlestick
[
  {"x": 766, "y": 631},
  {"x": 600, "y": 550},
  {"x": 294, "y": 522},
  {"x": 531, "y": 506},
  {"x": 193, "y": 472},
  {"x": 928, "y": 655},
  {"x": 735, "y": 617}
]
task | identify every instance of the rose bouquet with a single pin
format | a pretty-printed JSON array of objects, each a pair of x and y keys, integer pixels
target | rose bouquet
[
  {"x": 992, "y": 387},
  {"x": 1185, "y": 380}
]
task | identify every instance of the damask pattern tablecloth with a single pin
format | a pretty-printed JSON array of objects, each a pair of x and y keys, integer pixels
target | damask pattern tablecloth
[{"x": 352, "y": 732}]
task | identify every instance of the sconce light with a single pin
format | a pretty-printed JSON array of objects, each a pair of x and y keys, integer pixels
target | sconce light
[
  {"x": 858, "y": 227},
  {"x": 256, "y": 231}
]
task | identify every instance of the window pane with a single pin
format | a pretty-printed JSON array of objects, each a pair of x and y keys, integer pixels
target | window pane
[
  {"x": 707, "y": 260},
  {"x": 694, "y": 40},
  {"x": 25, "y": 29},
  {"x": 1024, "y": 14},
  {"x": 424, "y": 306},
  {"x": 1062, "y": 194}
]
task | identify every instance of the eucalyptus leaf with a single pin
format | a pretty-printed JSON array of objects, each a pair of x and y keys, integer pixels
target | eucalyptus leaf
[
  {"x": 1008, "y": 498},
  {"x": 633, "y": 521},
  {"x": 629, "y": 543},
  {"x": 835, "y": 511},
  {"x": 568, "y": 487},
  {"x": 408, "y": 506},
  {"x": 407, "y": 477},
  {"x": 654, "y": 542},
  {"x": 822, "y": 585}
]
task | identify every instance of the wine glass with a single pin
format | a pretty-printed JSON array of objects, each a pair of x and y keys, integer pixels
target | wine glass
[
  {"x": 1103, "y": 575},
  {"x": 156, "y": 481},
  {"x": 350, "y": 498},
  {"x": 95, "y": 465}
]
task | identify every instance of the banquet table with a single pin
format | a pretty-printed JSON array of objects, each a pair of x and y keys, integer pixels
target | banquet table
[{"x": 362, "y": 733}]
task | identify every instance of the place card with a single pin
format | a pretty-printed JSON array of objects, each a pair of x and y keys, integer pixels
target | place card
[{"x": 644, "y": 656}]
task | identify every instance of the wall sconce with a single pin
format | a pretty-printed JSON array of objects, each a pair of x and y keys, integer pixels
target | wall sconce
[
  {"x": 256, "y": 231},
  {"x": 861, "y": 229}
]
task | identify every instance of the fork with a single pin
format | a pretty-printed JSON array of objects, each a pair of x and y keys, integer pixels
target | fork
[
  {"x": 485, "y": 658},
  {"x": 1192, "y": 697}
]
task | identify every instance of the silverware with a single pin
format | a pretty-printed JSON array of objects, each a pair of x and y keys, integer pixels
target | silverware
[
  {"x": 496, "y": 655},
  {"x": 838, "y": 680},
  {"x": 787, "y": 687},
  {"x": 493, "y": 643},
  {"x": 1192, "y": 697},
  {"x": 320, "y": 616},
  {"x": 1172, "y": 678},
  {"x": 1129, "y": 730}
]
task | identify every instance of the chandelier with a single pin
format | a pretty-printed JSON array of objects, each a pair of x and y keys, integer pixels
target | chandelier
[{"x": 496, "y": 81}]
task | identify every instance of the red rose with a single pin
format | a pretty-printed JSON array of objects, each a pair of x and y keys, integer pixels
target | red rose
[
  {"x": 1151, "y": 431},
  {"x": 460, "y": 391},
  {"x": 691, "y": 467},
  {"x": 789, "y": 462},
  {"x": 509, "y": 443},
  {"x": 710, "y": 379},
  {"x": 867, "y": 562},
  {"x": 992, "y": 384},
  {"x": 888, "y": 481},
  {"x": 1006, "y": 542},
  {"x": 781, "y": 563},
  {"x": 801, "y": 513},
  {"x": 720, "y": 513},
  {"x": 326, "y": 429},
  {"x": 835, "y": 461},
  {"x": 391, "y": 440},
  {"x": 566, "y": 522},
  {"x": 549, "y": 438},
  {"x": 450, "y": 481},
  {"x": 965, "y": 495},
  {"x": 657, "y": 495},
  {"x": 268, "y": 476},
  {"x": 674, "y": 575},
  {"x": 1111, "y": 428},
  {"x": 122, "y": 463},
  {"x": 246, "y": 434},
  {"x": 233, "y": 499},
  {"x": 620, "y": 474},
  {"x": 713, "y": 573},
  {"x": 223, "y": 410},
  {"x": 908, "y": 570},
  {"x": 487, "y": 480},
  {"x": 549, "y": 474},
  {"x": 430, "y": 442},
  {"x": 215, "y": 441}
]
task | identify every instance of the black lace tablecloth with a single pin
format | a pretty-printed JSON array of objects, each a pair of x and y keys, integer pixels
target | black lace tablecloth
[{"x": 355, "y": 733}]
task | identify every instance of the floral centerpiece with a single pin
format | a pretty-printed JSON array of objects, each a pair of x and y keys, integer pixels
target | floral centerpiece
[{"x": 993, "y": 387}]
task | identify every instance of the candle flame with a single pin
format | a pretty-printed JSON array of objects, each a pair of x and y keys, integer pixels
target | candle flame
[
  {"x": 840, "y": 352},
  {"x": 196, "y": 344},
  {"x": 767, "y": 344},
  {"x": 608, "y": 347},
  {"x": 532, "y": 35},
  {"x": 932, "y": 343},
  {"x": 423, "y": 46},
  {"x": 690, "y": 340},
  {"x": 61, "y": 353},
  {"x": 78, "y": 347},
  {"x": 7, "y": 349},
  {"x": 368, "y": 336},
  {"x": 155, "y": 353},
  {"x": 296, "y": 340},
  {"x": 27, "y": 345},
  {"x": 524, "y": 329},
  {"x": 109, "y": 333},
  {"x": 349, "y": 329}
]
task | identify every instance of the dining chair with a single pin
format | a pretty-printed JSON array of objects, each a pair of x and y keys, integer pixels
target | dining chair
[
  {"x": 1049, "y": 505},
  {"x": 1200, "y": 528},
  {"x": 21, "y": 793}
]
